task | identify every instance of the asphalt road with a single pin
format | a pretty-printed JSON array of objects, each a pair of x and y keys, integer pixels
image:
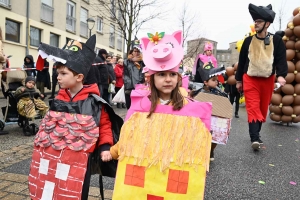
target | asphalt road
[{"x": 237, "y": 169}]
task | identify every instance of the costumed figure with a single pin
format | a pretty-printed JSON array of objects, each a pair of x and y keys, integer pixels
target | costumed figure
[
  {"x": 222, "y": 109},
  {"x": 29, "y": 100},
  {"x": 207, "y": 58},
  {"x": 78, "y": 123},
  {"x": 262, "y": 55},
  {"x": 170, "y": 158}
]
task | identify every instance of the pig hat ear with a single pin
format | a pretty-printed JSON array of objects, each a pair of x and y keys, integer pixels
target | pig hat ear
[{"x": 162, "y": 52}]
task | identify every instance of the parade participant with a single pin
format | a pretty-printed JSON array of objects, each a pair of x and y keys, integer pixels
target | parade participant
[
  {"x": 262, "y": 55},
  {"x": 209, "y": 76},
  {"x": 77, "y": 123},
  {"x": 132, "y": 75},
  {"x": 175, "y": 142},
  {"x": 234, "y": 96},
  {"x": 207, "y": 58},
  {"x": 29, "y": 101}
]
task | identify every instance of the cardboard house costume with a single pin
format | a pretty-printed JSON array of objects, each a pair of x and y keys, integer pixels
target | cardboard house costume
[
  {"x": 165, "y": 156},
  {"x": 70, "y": 131}
]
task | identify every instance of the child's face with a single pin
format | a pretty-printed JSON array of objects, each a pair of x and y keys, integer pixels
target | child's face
[
  {"x": 212, "y": 82},
  {"x": 66, "y": 79},
  {"x": 27, "y": 60},
  {"x": 30, "y": 84},
  {"x": 165, "y": 82}
]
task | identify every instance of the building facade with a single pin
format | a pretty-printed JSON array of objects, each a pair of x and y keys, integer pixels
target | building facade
[
  {"x": 26, "y": 23},
  {"x": 196, "y": 46},
  {"x": 229, "y": 56}
]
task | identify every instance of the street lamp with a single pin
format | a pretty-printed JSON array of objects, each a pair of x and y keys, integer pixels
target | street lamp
[{"x": 91, "y": 24}]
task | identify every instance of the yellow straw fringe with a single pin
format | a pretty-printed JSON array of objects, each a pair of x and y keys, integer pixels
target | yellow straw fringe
[{"x": 165, "y": 138}]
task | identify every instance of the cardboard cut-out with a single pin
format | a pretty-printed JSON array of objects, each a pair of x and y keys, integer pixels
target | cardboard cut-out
[{"x": 221, "y": 116}]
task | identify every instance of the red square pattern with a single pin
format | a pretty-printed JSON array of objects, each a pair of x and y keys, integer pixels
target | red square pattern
[
  {"x": 178, "y": 181},
  {"x": 153, "y": 197},
  {"x": 135, "y": 175}
]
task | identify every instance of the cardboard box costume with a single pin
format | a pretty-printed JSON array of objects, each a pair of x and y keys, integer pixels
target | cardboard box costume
[
  {"x": 69, "y": 132},
  {"x": 165, "y": 156}
]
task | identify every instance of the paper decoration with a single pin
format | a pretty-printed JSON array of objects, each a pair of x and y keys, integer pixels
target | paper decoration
[{"x": 262, "y": 182}]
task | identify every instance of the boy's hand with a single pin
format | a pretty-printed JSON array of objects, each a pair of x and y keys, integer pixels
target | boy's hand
[
  {"x": 42, "y": 95},
  {"x": 22, "y": 89},
  {"x": 105, "y": 156}
]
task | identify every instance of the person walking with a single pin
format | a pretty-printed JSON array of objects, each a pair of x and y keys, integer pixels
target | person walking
[
  {"x": 262, "y": 56},
  {"x": 29, "y": 65},
  {"x": 54, "y": 81}
]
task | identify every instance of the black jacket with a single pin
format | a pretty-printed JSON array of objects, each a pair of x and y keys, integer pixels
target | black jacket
[
  {"x": 132, "y": 75},
  {"x": 44, "y": 76},
  {"x": 279, "y": 63},
  {"x": 103, "y": 76},
  {"x": 31, "y": 64},
  {"x": 111, "y": 72}
]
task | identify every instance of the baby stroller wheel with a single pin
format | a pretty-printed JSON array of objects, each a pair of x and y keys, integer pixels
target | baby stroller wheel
[
  {"x": 2, "y": 125},
  {"x": 27, "y": 130},
  {"x": 34, "y": 128}
]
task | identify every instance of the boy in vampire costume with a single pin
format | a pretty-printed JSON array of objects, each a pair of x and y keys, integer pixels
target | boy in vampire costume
[
  {"x": 78, "y": 124},
  {"x": 262, "y": 56}
]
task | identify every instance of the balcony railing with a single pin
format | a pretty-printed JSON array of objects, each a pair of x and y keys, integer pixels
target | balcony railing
[
  {"x": 84, "y": 29},
  {"x": 5, "y": 3},
  {"x": 71, "y": 23},
  {"x": 47, "y": 13}
]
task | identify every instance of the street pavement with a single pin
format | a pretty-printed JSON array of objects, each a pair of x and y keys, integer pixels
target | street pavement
[{"x": 237, "y": 172}]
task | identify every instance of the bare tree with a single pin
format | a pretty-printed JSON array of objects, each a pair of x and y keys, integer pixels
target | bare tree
[
  {"x": 192, "y": 34},
  {"x": 129, "y": 15},
  {"x": 280, "y": 17}
]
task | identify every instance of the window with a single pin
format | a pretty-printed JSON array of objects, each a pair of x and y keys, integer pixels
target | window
[
  {"x": 99, "y": 24},
  {"x": 47, "y": 11},
  {"x": 12, "y": 31},
  {"x": 54, "y": 39},
  {"x": 178, "y": 181},
  {"x": 83, "y": 22},
  {"x": 228, "y": 57},
  {"x": 35, "y": 36},
  {"x": 223, "y": 57},
  {"x": 218, "y": 57},
  {"x": 119, "y": 41},
  {"x": 112, "y": 8},
  {"x": 71, "y": 16},
  {"x": 120, "y": 18},
  {"x": 5, "y": 3},
  {"x": 135, "y": 175},
  {"x": 153, "y": 197},
  {"x": 112, "y": 36}
]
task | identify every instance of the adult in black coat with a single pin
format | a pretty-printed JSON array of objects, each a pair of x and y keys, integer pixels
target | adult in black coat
[
  {"x": 29, "y": 63},
  {"x": 234, "y": 95},
  {"x": 43, "y": 79},
  {"x": 104, "y": 77}
]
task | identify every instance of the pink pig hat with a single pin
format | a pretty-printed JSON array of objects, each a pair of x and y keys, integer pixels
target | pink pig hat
[
  {"x": 162, "y": 52},
  {"x": 208, "y": 46}
]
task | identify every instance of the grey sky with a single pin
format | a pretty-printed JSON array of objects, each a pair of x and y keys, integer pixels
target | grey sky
[{"x": 219, "y": 20}]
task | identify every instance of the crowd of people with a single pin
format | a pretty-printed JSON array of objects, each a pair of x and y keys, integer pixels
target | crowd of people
[{"x": 79, "y": 123}]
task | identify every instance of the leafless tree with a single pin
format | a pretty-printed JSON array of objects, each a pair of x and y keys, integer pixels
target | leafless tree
[
  {"x": 192, "y": 32},
  {"x": 129, "y": 15},
  {"x": 280, "y": 17}
]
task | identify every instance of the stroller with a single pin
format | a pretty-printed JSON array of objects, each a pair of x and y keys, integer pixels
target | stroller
[{"x": 9, "y": 84}]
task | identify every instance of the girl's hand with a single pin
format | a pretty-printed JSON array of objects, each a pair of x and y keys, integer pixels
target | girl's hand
[
  {"x": 105, "y": 156},
  {"x": 281, "y": 80}
]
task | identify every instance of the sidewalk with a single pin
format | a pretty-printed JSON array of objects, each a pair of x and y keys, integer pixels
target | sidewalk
[{"x": 15, "y": 154}]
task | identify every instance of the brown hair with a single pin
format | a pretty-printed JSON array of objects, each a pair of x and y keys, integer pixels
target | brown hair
[
  {"x": 62, "y": 66},
  {"x": 176, "y": 96}
]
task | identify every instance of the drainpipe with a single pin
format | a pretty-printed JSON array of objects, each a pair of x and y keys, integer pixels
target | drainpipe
[{"x": 27, "y": 27}]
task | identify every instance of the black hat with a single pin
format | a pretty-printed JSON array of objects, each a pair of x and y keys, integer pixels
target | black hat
[
  {"x": 102, "y": 51},
  {"x": 208, "y": 71},
  {"x": 29, "y": 78},
  {"x": 75, "y": 55},
  {"x": 262, "y": 12}
]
